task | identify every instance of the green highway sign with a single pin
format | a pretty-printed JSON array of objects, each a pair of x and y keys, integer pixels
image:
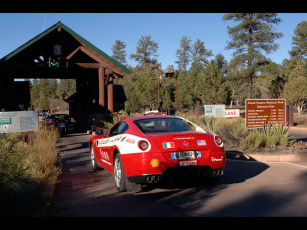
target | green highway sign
[{"x": 5, "y": 121}]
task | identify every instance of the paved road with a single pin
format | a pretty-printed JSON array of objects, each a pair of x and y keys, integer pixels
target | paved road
[{"x": 245, "y": 189}]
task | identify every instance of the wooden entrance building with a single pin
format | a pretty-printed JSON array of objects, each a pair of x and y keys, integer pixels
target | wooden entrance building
[{"x": 60, "y": 53}]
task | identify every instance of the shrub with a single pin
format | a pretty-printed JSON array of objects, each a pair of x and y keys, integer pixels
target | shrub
[
  {"x": 234, "y": 132},
  {"x": 269, "y": 136},
  {"x": 25, "y": 171}
]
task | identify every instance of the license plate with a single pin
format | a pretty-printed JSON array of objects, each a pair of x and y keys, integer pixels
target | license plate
[
  {"x": 62, "y": 125},
  {"x": 183, "y": 155},
  {"x": 187, "y": 163}
]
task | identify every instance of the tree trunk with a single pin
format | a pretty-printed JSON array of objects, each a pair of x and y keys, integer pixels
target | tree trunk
[
  {"x": 249, "y": 86},
  {"x": 249, "y": 60}
]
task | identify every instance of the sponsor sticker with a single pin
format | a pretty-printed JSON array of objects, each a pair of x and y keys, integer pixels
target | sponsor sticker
[
  {"x": 168, "y": 145},
  {"x": 216, "y": 159},
  {"x": 155, "y": 162},
  {"x": 187, "y": 163},
  {"x": 130, "y": 140},
  {"x": 201, "y": 142}
]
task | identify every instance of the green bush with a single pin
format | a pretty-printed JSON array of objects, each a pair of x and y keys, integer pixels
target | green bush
[{"x": 269, "y": 136}]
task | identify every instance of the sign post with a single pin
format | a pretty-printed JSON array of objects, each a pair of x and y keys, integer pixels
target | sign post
[{"x": 264, "y": 111}]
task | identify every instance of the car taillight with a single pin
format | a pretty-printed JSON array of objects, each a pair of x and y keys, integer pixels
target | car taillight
[
  {"x": 72, "y": 120},
  {"x": 50, "y": 121},
  {"x": 219, "y": 141},
  {"x": 143, "y": 145}
]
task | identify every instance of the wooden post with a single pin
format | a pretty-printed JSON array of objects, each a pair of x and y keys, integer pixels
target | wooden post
[
  {"x": 110, "y": 95},
  {"x": 101, "y": 84}
]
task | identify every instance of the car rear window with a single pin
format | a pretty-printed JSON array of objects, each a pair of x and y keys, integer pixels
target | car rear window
[
  {"x": 162, "y": 125},
  {"x": 59, "y": 116}
]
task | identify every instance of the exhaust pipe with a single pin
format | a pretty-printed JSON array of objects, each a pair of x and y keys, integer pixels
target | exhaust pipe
[
  {"x": 152, "y": 179},
  {"x": 218, "y": 172}
]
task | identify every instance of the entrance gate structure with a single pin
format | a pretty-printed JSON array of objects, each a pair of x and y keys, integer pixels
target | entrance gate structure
[{"x": 60, "y": 53}]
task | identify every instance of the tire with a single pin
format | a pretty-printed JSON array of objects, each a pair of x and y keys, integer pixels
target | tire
[
  {"x": 94, "y": 164},
  {"x": 121, "y": 182},
  {"x": 119, "y": 174}
]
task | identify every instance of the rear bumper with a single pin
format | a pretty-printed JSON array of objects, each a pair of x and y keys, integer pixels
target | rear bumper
[
  {"x": 177, "y": 173},
  {"x": 152, "y": 167}
]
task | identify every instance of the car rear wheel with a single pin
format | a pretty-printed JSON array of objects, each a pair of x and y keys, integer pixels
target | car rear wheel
[
  {"x": 121, "y": 181},
  {"x": 95, "y": 166},
  {"x": 119, "y": 174}
]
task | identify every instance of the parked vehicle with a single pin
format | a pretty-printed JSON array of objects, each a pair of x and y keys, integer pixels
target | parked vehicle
[{"x": 62, "y": 121}]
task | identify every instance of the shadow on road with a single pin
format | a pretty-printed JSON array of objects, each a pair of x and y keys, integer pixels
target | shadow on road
[{"x": 83, "y": 192}]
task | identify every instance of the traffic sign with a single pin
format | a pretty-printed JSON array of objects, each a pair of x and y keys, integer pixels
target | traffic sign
[
  {"x": 57, "y": 49},
  {"x": 264, "y": 111}
]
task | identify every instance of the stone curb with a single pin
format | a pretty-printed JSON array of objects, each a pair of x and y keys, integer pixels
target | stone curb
[
  {"x": 266, "y": 158},
  {"x": 298, "y": 128}
]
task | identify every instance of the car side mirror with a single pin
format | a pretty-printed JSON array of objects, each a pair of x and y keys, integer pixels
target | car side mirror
[{"x": 100, "y": 132}]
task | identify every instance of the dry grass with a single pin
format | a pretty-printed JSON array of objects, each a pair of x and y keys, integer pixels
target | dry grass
[{"x": 26, "y": 169}]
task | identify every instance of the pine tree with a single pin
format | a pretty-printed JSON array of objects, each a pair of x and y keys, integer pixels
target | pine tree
[
  {"x": 119, "y": 54},
  {"x": 299, "y": 42},
  {"x": 184, "y": 53},
  {"x": 296, "y": 88},
  {"x": 200, "y": 54},
  {"x": 214, "y": 90},
  {"x": 146, "y": 51},
  {"x": 254, "y": 34}
]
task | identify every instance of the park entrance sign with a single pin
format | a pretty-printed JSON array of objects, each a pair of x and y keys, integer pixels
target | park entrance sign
[
  {"x": 264, "y": 111},
  {"x": 18, "y": 121}
]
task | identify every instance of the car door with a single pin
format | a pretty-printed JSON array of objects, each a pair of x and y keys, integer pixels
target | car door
[{"x": 107, "y": 152}]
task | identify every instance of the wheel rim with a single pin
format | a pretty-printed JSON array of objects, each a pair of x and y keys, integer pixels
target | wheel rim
[
  {"x": 117, "y": 172},
  {"x": 92, "y": 156}
]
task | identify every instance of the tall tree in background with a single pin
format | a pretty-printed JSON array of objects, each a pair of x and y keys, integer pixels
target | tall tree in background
[
  {"x": 296, "y": 88},
  {"x": 184, "y": 53},
  {"x": 254, "y": 34},
  {"x": 50, "y": 94},
  {"x": 299, "y": 42},
  {"x": 119, "y": 53},
  {"x": 146, "y": 51},
  {"x": 200, "y": 54}
]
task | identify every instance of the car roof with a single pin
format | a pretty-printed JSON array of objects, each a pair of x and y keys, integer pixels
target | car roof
[
  {"x": 150, "y": 117},
  {"x": 58, "y": 114}
]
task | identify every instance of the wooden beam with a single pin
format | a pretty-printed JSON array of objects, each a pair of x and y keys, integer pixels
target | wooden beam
[
  {"x": 90, "y": 65},
  {"x": 110, "y": 95},
  {"x": 110, "y": 72},
  {"x": 73, "y": 53},
  {"x": 101, "y": 85}
]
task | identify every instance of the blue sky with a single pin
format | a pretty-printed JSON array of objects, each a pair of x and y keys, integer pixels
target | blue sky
[{"x": 102, "y": 29}]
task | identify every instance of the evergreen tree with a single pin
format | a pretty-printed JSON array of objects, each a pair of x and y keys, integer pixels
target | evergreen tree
[
  {"x": 299, "y": 42},
  {"x": 119, "y": 54},
  {"x": 200, "y": 54},
  {"x": 34, "y": 93},
  {"x": 146, "y": 51},
  {"x": 296, "y": 88},
  {"x": 254, "y": 34},
  {"x": 184, "y": 53},
  {"x": 214, "y": 89},
  {"x": 66, "y": 88}
]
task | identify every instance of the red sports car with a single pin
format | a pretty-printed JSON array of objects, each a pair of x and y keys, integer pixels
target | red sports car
[{"x": 147, "y": 149}]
